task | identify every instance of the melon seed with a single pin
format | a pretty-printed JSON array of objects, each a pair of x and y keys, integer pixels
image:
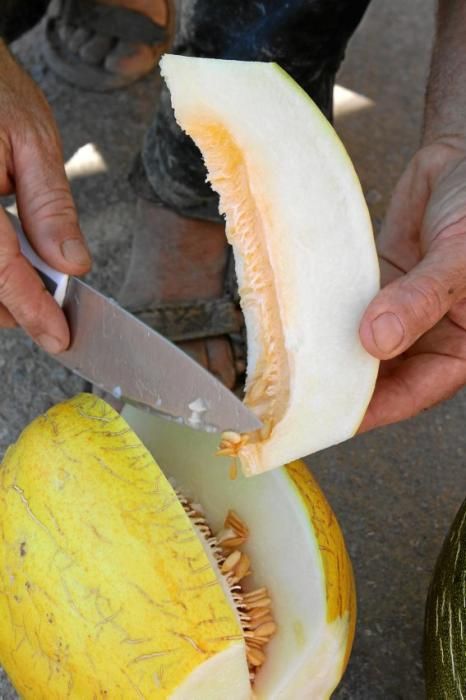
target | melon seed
[
  {"x": 231, "y": 561},
  {"x": 255, "y": 657}
]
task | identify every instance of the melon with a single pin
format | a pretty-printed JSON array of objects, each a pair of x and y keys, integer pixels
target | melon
[
  {"x": 445, "y": 617},
  {"x": 304, "y": 251},
  {"x": 125, "y": 577}
]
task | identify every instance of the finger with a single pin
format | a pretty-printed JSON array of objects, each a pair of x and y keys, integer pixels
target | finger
[
  {"x": 420, "y": 382},
  {"x": 6, "y": 319},
  {"x": 411, "y": 305},
  {"x": 414, "y": 205},
  {"x": 446, "y": 338},
  {"x": 6, "y": 183},
  {"x": 25, "y": 297},
  {"x": 45, "y": 203}
]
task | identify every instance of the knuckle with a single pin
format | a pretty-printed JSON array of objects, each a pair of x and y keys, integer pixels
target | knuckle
[
  {"x": 427, "y": 301},
  {"x": 457, "y": 315},
  {"x": 31, "y": 314},
  {"x": 25, "y": 300},
  {"x": 6, "y": 319},
  {"x": 51, "y": 203},
  {"x": 7, "y": 272}
]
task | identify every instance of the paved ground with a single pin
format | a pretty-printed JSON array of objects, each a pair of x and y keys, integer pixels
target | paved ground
[{"x": 396, "y": 490}]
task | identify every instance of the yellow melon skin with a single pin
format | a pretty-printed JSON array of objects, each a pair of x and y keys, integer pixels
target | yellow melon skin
[
  {"x": 105, "y": 588},
  {"x": 106, "y": 591}
]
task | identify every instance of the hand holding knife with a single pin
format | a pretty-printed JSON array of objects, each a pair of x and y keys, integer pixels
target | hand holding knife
[{"x": 120, "y": 354}]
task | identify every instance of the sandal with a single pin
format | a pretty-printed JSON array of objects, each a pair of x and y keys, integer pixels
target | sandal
[
  {"x": 186, "y": 321},
  {"x": 84, "y": 40}
]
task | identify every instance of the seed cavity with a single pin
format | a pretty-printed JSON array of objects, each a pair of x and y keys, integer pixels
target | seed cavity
[{"x": 254, "y": 607}]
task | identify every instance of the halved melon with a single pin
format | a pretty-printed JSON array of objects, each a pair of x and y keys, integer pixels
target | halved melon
[
  {"x": 303, "y": 245},
  {"x": 109, "y": 590}
]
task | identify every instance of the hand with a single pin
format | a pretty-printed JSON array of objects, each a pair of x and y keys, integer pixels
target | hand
[
  {"x": 31, "y": 166},
  {"x": 417, "y": 324}
]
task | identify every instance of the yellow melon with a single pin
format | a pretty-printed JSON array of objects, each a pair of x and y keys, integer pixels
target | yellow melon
[
  {"x": 109, "y": 589},
  {"x": 303, "y": 245}
]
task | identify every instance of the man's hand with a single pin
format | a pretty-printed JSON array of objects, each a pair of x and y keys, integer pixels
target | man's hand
[
  {"x": 417, "y": 324},
  {"x": 31, "y": 166}
]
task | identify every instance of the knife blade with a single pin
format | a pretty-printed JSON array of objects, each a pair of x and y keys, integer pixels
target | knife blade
[{"x": 125, "y": 357}]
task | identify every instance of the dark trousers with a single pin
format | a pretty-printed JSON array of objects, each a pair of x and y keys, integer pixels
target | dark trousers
[{"x": 307, "y": 38}]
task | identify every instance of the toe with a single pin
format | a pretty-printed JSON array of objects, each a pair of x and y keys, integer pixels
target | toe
[
  {"x": 196, "y": 349},
  {"x": 65, "y": 32},
  {"x": 130, "y": 59},
  {"x": 215, "y": 355},
  {"x": 95, "y": 50},
  {"x": 220, "y": 361},
  {"x": 76, "y": 38}
]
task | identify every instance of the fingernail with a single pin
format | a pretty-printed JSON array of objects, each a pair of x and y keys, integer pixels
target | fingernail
[
  {"x": 50, "y": 344},
  {"x": 74, "y": 251},
  {"x": 388, "y": 332}
]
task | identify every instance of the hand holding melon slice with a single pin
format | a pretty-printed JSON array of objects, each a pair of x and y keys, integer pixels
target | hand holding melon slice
[{"x": 304, "y": 251}]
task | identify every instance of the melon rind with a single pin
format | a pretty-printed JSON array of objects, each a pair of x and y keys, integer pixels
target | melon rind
[
  {"x": 92, "y": 576},
  {"x": 287, "y": 186},
  {"x": 105, "y": 588},
  {"x": 445, "y": 617}
]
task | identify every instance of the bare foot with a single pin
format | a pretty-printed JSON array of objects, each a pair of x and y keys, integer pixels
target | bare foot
[
  {"x": 175, "y": 259},
  {"x": 137, "y": 59},
  {"x": 127, "y": 59}
]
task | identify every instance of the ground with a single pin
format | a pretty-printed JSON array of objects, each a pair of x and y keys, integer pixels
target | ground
[{"x": 395, "y": 490}]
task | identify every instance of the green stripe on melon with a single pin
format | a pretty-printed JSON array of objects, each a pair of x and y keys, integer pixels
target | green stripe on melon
[{"x": 445, "y": 620}]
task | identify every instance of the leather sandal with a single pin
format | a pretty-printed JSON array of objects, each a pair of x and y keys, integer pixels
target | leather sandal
[
  {"x": 201, "y": 319},
  {"x": 83, "y": 39}
]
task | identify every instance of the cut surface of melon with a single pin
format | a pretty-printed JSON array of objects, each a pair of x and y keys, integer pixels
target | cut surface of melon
[
  {"x": 303, "y": 244},
  {"x": 296, "y": 549}
]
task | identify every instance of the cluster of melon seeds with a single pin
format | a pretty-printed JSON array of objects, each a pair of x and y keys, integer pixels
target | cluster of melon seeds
[
  {"x": 254, "y": 607},
  {"x": 230, "y": 446}
]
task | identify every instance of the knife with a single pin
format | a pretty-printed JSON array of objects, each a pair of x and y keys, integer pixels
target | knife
[{"x": 125, "y": 357}]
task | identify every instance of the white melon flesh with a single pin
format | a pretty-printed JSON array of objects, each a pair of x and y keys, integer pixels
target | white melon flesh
[
  {"x": 306, "y": 658},
  {"x": 303, "y": 245}
]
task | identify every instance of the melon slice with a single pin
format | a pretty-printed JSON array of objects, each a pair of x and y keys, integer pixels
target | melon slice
[
  {"x": 296, "y": 548},
  {"x": 303, "y": 245},
  {"x": 107, "y": 589}
]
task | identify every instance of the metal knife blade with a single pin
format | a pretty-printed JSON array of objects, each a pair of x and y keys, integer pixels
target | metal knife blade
[{"x": 120, "y": 354}]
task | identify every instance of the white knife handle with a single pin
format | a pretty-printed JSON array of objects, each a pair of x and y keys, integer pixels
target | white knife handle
[{"x": 54, "y": 281}]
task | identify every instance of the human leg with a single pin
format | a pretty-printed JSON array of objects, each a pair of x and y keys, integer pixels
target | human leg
[{"x": 307, "y": 38}]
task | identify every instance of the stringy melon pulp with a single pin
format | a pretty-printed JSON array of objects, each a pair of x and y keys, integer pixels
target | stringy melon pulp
[
  {"x": 268, "y": 377},
  {"x": 304, "y": 251},
  {"x": 107, "y": 590}
]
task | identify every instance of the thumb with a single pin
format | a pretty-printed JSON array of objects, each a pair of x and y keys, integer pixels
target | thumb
[
  {"x": 412, "y": 304},
  {"x": 45, "y": 203}
]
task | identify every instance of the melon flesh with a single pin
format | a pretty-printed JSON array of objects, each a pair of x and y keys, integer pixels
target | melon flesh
[
  {"x": 296, "y": 549},
  {"x": 303, "y": 245}
]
